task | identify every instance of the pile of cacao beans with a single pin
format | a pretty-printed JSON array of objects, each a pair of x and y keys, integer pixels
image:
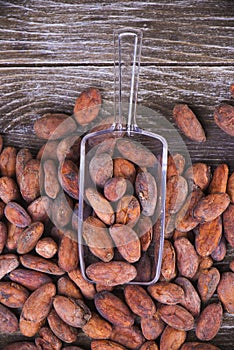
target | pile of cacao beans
[
  {"x": 122, "y": 190},
  {"x": 43, "y": 295}
]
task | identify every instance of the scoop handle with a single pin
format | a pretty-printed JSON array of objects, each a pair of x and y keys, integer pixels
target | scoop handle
[{"x": 119, "y": 35}]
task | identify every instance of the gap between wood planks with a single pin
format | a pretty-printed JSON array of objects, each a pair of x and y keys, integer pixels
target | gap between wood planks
[{"x": 111, "y": 64}]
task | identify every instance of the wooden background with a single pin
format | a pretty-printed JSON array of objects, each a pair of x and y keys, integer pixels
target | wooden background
[{"x": 51, "y": 50}]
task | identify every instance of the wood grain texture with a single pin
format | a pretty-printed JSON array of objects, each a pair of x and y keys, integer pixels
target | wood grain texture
[
  {"x": 28, "y": 93},
  {"x": 49, "y": 32},
  {"x": 82, "y": 340},
  {"x": 52, "y": 50}
]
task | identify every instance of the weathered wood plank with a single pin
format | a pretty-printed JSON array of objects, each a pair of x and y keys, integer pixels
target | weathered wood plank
[
  {"x": 69, "y": 31},
  {"x": 82, "y": 340},
  {"x": 27, "y": 93},
  {"x": 71, "y": 42}
]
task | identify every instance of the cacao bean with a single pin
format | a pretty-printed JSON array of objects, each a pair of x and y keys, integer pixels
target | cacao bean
[
  {"x": 96, "y": 236},
  {"x": 46, "y": 247},
  {"x": 224, "y": 118},
  {"x": 168, "y": 268},
  {"x": 149, "y": 345},
  {"x": 101, "y": 206},
  {"x": 61, "y": 329},
  {"x": 29, "y": 237},
  {"x": 53, "y": 126},
  {"x": 87, "y": 288},
  {"x": 130, "y": 337},
  {"x": 48, "y": 151},
  {"x": 30, "y": 180},
  {"x": 8, "y": 320},
  {"x": 68, "y": 252},
  {"x": 191, "y": 300},
  {"x": 106, "y": 345},
  {"x": 113, "y": 309},
  {"x": 40, "y": 209},
  {"x": 87, "y": 106},
  {"x": 208, "y": 236},
  {"x": 107, "y": 145},
  {"x": 8, "y": 262},
  {"x": 115, "y": 188},
  {"x": 8, "y": 161},
  {"x": 172, "y": 338},
  {"x": 66, "y": 287},
  {"x": 175, "y": 164},
  {"x": 185, "y": 221},
  {"x": 8, "y": 189},
  {"x": 47, "y": 335},
  {"x": 225, "y": 291},
  {"x": 17, "y": 215},
  {"x": 228, "y": 224},
  {"x": 38, "y": 263},
  {"x": 124, "y": 169},
  {"x": 219, "y": 180},
  {"x": 30, "y": 279},
  {"x": 207, "y": 283},
  {"x": 144, "y": 230},
  {"x": 177, "y": 190},
  {"x": 188, "y": 123},
  {"x": 187, "y": 259},
  {"x": 219, "y": 253},
  {"x": 128, "y": 211},
  {"x": 51, "y": 184},
  {"x": 146, "y": 191},
  {"x": 12, "y": 294},
  {"x": 36, "y": 308},
  {"x": 143, "y": 268},
  {"x": 166, "y": 292},
  {"x": 3, "y": 236},
  {"x": 230, "y": 187},
  {"x": 74, "y": 312},
  {"x": 199, "y": 174},
  {"x": 62, "y": 210},
  {"x": 152, "y": 327},
  {"x": 127, "y": 242},
  {"x": 209, "y": 322},
  {"x": 68, "y": 175},
  {"x": 177, "y": 317},
  {"x": 22, "y": 158},
  {"x": 69, "y": 148},
  {"x": 211, "y": 206},
  {"x": 101, "y": 169},
  {"x": 97, "y": 328},
  {"x": 136, "y": 153},
  {"x": 139, "y": 301}
]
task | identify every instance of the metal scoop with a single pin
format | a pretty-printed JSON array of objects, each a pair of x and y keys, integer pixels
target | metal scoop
[{"x": 120, "y": 229}]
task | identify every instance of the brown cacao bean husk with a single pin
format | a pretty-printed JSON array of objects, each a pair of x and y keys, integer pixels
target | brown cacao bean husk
[
  {"x": 188, "y": 123},
  {"x": 53, "y": 126},
  {"x": 113, "y": 309},
  {"x": 87, "y": 106},
  {"x": 139, "y": 301},
  {"x": 224, "y": 118},
  {"x": 209, "y": 322}
]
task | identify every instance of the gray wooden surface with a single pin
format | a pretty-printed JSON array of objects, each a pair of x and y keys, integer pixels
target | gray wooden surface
[
  {"x": 70, "y": 31},
  {"x": 51, "y": 50}
]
